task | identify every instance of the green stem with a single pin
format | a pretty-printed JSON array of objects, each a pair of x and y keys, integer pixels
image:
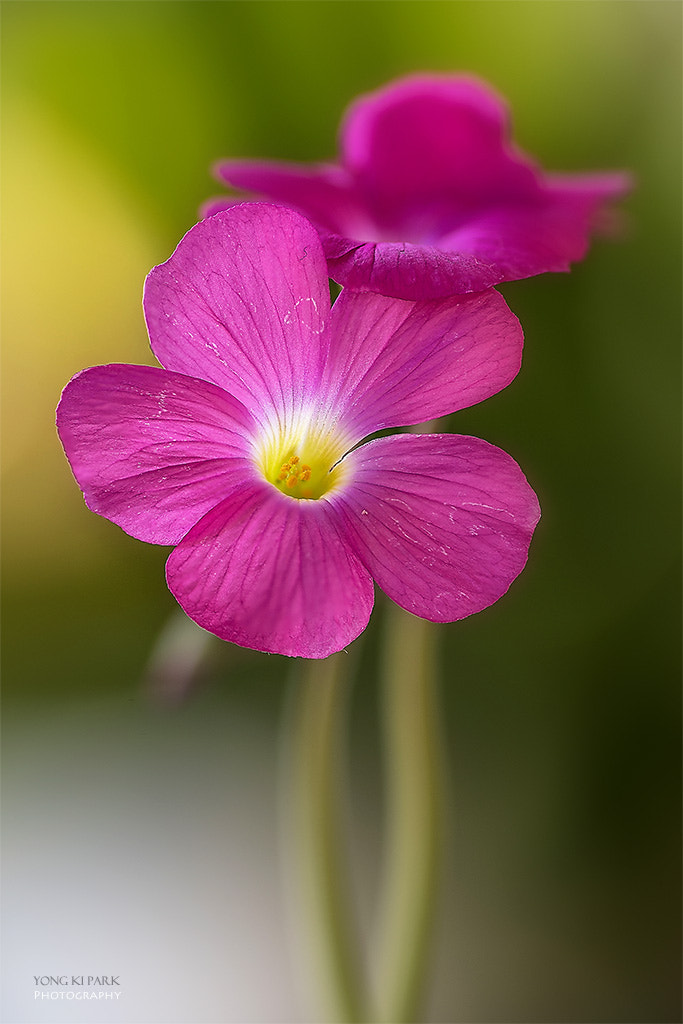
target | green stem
[
  {"x": 314, "y": 822},
  {"x": 413, "y": 755}
]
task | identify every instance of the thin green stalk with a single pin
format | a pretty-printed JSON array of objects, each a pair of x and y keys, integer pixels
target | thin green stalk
[
  {"x": 313, "y": 811},
  {"x": 414, "y": 765}
]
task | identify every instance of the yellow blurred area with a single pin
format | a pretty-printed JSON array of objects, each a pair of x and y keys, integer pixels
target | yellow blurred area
[{"x": 76, "y": 250}]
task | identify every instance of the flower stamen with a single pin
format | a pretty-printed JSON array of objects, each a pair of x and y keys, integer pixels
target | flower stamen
[{"x": 305, "y": 464}]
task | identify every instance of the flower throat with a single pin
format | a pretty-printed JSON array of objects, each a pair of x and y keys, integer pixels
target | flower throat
[{"x": 305, "y": 466}]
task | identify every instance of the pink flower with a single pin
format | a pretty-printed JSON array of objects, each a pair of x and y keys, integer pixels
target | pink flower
[
  {"x": 242, "y": 452},
  {"x": 431, "y": 198}
]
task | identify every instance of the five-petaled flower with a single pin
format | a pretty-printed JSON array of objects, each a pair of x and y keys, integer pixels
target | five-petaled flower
[
  {"x": 243, "y": 450},
  {"x": 431, "y": 197}
]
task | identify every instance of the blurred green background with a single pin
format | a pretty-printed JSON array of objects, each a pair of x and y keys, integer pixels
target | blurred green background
[{"x": 140, "y": 834}]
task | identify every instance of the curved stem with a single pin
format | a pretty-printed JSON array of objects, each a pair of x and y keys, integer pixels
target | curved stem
[
  {"x": 313, "y": 819},
  {"x": 413, "y": 756}
]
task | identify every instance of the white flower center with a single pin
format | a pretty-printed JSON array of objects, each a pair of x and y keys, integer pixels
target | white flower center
[{"x": 304, "y": 461}]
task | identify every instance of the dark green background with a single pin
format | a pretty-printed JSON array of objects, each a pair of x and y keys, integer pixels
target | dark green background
[{"x": 561, "y": 703}]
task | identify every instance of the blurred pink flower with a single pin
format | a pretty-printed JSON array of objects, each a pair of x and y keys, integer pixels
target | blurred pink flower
[
  {"x": 431, "y": 198},
  {"x": 243, "y": 450}
]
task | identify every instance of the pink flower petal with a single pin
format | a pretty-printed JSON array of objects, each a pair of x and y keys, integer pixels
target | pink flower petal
[
  {"x": 153, "y": 450},
  {"x": 442, "y": 522},
  {"x": 590, "y": 187},
  {"x": 393, "y": 363},
  {"x": 218, "y": 204},
  {"x": 406, "y": 270},
  {"x": 547, "y": 233},
  {"x": 242, "y": 303},
  {"x": 323, "y": 193},
  {"x": 268, "y": 572},
  {"x": 432, "y": 144}
]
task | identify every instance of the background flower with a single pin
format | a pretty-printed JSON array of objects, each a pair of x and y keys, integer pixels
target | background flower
[
  {"x": 431, "y": 197},
  {"x": 250, "y": 465}
]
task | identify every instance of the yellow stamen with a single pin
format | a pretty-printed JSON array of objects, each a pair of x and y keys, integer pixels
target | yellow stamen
[{"x": 304, "y": 461}]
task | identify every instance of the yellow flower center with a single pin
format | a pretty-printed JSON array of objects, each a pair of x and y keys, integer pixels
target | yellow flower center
[{"x": 305, "y": 463}]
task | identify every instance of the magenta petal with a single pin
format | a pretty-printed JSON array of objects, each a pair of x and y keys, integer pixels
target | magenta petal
[
  {"x": 393, "y": 362},
  {"x": 592, "y": 188},
  {"x": 537, "y": 236},
  {"x": 272, "y": 573},
  {"x": 442, "y": 522},
  {"x": 324, "y": 193},
  {"x": 434, "y": 140},
  {"x": 218, "y": 204},
  {"x": 242, "y": 303},
  {"x": 153, "y": 450},
  {"x": 407, "y": 270}
]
